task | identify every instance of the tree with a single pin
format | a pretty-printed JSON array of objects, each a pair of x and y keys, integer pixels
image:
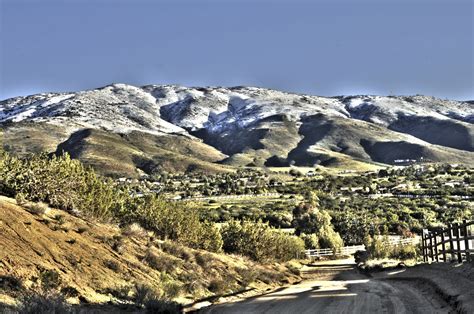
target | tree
[{"x": 308, "y": 219}]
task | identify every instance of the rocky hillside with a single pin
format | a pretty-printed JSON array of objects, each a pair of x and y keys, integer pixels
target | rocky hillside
[{"x": 121, "y": 128}]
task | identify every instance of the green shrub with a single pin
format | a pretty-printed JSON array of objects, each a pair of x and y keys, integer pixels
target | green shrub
[
  {"x": 308, "y": 219},
  {"x": 61, "y": 182},
  {"x": 311, "y": 241},
  {"x": 377, "y": 247},
  {"x": 50, "y": 280},
  {"x": 177, "y": 222},
  {"x": 404, "y": 252},
  {"x": 260, "y": 242}
]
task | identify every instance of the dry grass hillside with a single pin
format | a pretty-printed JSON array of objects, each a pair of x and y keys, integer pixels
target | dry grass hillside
[{"x": 103, "y": 267}]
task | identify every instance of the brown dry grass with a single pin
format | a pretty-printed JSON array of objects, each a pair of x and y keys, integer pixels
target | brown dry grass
[{"x": 103, "y": 265}]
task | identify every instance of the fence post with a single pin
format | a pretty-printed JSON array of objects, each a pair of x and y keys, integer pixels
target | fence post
[
  {"x": 451, "y": 243},
  {"x": 436, "y": 246},
  {"x": 423, "y": 245},
  {"x": 458, "y": 241},
  {"x": 466, "y": 240},
  {"x": 431, "y": 246},
  {"x": 443, "y": 246}
]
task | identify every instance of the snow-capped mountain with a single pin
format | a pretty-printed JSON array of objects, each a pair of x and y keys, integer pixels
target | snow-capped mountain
[
  {"x": 260, "y": 126},
  {"x": 116, "y": 108}
]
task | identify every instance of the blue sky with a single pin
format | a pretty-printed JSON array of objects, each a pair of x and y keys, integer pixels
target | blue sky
[{"x": 317, "y": 47}]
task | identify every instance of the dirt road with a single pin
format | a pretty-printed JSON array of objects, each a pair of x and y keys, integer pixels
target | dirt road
[{"x": 337, "y": 287}]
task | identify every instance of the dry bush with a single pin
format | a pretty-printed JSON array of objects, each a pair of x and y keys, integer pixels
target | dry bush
[
  {"x": 82, "y": 229},
  {"x": 204, "y": 259},
  {"x": 38, "y": 208},
  {"x": 60, "y": 219},
  {"x": 113, "y": 265},
  {"x": 20, "y": 199},
  {"x": 10, "y": 283},
  {"x": 269, "y": 277},
  {"x": 134, "y": 230},
  {"x": 176, "y": 250},
  {"x": 247, "y": 276},
  {"x": 43, "y": 304},
  {"x": 161, "y": 261},
  {"x": 220, "y": 286}
]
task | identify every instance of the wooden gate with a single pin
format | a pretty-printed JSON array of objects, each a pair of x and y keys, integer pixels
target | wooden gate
[{"x": 456, "y": 242}]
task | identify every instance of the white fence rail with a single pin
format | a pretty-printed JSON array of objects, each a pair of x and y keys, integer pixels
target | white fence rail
[{"x": 349, "y": 250}]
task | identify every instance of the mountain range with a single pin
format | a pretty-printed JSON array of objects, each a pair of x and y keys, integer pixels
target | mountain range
[{"x": 125, "y": 130}]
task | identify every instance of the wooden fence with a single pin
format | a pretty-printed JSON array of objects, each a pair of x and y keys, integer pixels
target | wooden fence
[{"x": 453, "y": 243}]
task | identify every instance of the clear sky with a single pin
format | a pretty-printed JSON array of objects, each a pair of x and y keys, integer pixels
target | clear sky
[{"x": 318, "y": 47}]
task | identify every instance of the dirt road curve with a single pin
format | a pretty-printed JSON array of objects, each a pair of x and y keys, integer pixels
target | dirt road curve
[{"x": 337, "y": 287}]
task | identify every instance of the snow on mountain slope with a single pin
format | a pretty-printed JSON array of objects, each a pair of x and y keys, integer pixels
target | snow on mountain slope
[
  {"x": 263, "y": 123},
  {"x": 118, "y": 108}
]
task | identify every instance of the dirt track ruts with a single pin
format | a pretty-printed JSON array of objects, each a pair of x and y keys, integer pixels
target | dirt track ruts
[{"x": 338, "y": 287}]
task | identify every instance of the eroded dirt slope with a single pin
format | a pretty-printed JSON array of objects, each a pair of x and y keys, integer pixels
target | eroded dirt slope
[{"x": 103, "y": 263}]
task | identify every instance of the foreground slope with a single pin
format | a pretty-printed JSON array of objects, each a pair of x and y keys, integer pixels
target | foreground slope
[
  {"x": 239, "y": 126},
  {"x": 100, "y": 263}
]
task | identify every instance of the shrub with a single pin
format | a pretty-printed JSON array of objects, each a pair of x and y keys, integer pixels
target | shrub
[
  {"x": 38, "y": 208},
  {"x": 177, "y": 222},
  {"x": 203, "y": 259},
  {"x": 143, "y": 292},
  {"x": 177, "y": 250},
  {"x": 247, "y": 275},
  {"x": 161, "y": 261},
  {"x": 113, "y": 265},
  {"x": 43, "y": 304},
  {"x": 378, "y": 247},
  {"x": 361, "y": 257},
  {"x": 50, "y": 280},
  {"x": 61, "y": 182},
  {"x": 162, "y": 306},
  {"x": 328, "y": 238},
  {"x": 10, "y": 283},
  {"x": 404, "y": 252},
  {"x": 70, "y": 292},
  {"x": 20, "y": 199},
  {"x": 260, "y": 242},
  {"x": 311, "y": 241},
  {"x": 154, "y": 301},
  {"x": 134, "y": 230},
  {"x": 82, "y": 229}
]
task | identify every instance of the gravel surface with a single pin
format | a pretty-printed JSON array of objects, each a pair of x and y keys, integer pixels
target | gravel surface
[{"x": 338, "y": 287}]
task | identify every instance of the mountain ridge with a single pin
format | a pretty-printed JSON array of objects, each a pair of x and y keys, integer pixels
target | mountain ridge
[{"x": 254, "y": 126}]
